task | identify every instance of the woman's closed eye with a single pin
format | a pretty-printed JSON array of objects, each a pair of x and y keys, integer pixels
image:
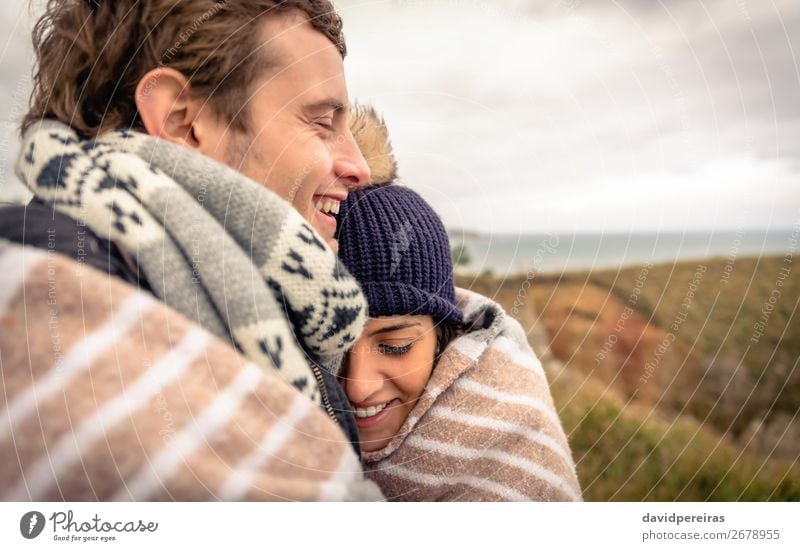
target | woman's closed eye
[{"x": 394, "y": 350}]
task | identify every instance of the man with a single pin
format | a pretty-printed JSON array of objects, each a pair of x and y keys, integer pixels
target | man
[
  {"x": 258, "y": 86},
  {"x": 156, "y": 407}
]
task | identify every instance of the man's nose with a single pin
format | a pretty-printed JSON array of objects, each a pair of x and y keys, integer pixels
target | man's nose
[
  {"x": 350, "y": 165},
  {"x": 362, "y": 382}
]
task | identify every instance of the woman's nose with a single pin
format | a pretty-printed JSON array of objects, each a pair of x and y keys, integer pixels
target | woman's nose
[{"x": 361, "y": 381}]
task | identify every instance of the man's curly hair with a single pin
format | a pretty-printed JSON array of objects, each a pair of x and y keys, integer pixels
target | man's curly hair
[{"x": 91, "y": 54}]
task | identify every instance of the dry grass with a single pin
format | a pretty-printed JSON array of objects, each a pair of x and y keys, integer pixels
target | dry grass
[{"x": 718, "y": 417}]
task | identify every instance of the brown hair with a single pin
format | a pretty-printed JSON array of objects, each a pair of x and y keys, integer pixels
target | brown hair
[{"x": 91, "y": 54}]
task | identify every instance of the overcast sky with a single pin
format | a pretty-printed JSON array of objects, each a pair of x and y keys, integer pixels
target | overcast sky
[{"x": 571, "y": 115}]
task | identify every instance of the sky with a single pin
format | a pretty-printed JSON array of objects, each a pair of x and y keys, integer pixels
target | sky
[{"x": 515, "y": 117}]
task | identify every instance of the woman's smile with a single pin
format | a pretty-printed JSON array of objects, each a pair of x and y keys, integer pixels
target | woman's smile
[{"x": 375, "y": 415}]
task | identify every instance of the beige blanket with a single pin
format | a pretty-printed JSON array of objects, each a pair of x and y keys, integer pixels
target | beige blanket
[{"x": 107, "y": 394}]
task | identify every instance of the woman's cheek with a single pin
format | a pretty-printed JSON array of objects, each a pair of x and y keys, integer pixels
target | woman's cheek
[{"x": 418, "y": 374}]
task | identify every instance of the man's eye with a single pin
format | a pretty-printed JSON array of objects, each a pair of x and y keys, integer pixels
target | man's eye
[
  {"x": 394, "y": 350},
  {"x": 326, "y": 124}
]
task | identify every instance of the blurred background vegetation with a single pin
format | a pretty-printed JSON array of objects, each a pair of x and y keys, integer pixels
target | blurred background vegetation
[{"x": 667, "y": 388}]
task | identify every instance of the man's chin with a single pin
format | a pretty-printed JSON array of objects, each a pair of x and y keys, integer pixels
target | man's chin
[
  {"x": 333, "y": 244},
  {"x": 325, "y": 229},
  {"x": 331, "y": 241}
]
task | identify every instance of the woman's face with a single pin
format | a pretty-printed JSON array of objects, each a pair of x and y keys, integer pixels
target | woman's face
[{"x": 386, "y": 372}]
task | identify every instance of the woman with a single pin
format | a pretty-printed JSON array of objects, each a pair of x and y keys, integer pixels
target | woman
[
  {"x": 412, "y": 306},
  {"x": 451, "y": 402}
]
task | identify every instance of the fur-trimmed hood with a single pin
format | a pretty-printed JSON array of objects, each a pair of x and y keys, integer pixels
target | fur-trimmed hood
[{"x": 372, "y": 137}]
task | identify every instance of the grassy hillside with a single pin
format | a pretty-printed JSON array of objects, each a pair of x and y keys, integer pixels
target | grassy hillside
[
  {"x": 625, "y": 452},
  {"x": 668, "y": 389},
  {"x": 752, "y": 370}
]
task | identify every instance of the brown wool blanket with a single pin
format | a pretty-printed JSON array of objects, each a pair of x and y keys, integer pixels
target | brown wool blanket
[
  {"x": 485, "y": 428},
  {"x": 108, "y": 394}
]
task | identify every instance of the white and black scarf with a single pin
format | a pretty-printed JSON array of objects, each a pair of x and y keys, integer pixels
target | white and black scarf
[{"x": 214, "y": 245}]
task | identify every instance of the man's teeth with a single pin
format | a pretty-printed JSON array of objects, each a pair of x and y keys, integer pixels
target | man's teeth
[
  {"x": 328, "y": 206},
  {"x": 370, "y": 411}
]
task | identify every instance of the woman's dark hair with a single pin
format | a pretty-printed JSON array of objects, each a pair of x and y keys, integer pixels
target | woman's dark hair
[{"x": 446, "y": 332}]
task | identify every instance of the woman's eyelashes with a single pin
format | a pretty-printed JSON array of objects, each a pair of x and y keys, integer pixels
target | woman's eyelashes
[{"x": 394, "y": 350}]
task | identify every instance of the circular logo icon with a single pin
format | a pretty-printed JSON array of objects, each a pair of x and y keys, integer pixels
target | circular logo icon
[{"x": 31, "y": 524}]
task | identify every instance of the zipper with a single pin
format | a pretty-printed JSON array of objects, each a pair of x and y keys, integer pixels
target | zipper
[{"x": 324, "y": 392}]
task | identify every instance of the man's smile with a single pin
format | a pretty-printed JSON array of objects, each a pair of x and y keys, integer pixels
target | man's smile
[{"x": 326, "y": 208}]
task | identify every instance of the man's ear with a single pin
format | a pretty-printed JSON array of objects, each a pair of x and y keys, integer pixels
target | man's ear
[{"x": 167, "y": 108}]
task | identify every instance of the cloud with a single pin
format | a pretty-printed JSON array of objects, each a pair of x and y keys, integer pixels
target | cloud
[
  {"x": 530, "y": 115},
  {"x": 15, "y": 84},
  {"x": 580, "y": 104}
]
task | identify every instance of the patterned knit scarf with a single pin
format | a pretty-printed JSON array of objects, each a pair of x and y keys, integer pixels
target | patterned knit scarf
[{"x": 214, "y": 245}]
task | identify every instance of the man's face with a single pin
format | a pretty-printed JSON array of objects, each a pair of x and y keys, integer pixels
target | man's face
[{"x": 298, "y": 142}]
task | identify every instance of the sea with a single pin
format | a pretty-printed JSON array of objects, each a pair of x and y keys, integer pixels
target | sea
[{"x": 502, "y": 254}]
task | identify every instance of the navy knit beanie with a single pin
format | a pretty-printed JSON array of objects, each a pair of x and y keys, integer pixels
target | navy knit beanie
[{"x": 396, "y": 247}]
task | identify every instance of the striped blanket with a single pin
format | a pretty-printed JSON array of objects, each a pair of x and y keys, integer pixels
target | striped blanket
[
  {"x": 108, "y": 394},
  {"x": 485, "y": 428}
]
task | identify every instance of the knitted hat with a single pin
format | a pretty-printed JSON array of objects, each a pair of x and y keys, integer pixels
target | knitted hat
[{"x": 396, "y": 247}]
